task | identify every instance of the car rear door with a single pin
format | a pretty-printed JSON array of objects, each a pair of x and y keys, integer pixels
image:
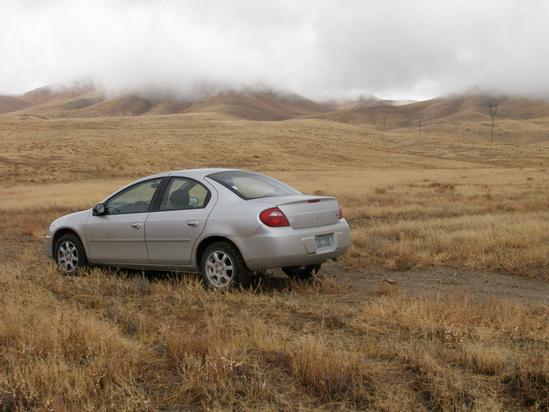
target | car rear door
[
  {"x": 118, "y": 236},
  {"x": 172, "y": 230}
]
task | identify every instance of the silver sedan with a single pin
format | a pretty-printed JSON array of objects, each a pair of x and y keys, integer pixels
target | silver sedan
[{"x": 224, "y": 223}]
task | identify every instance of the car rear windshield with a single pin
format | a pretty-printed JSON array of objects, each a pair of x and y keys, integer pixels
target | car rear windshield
[{"x": 250, "y": 185}]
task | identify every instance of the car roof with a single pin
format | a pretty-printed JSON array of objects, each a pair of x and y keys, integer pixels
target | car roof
[
  {"x": 193, "y": 173},
  {"x": 197, "y": 173}
]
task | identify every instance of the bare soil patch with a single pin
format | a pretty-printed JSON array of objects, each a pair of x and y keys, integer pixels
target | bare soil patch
[{"x": 478, "y": 284}]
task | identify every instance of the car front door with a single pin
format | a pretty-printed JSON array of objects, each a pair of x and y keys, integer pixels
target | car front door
[
  {"x": 172, "y": 230},
  {"x": 118, "y": 236}
]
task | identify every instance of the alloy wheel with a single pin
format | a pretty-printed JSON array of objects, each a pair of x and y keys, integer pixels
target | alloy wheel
[
  {"x": 219, "y": 269},
  {"x": 67, "y": 256}
]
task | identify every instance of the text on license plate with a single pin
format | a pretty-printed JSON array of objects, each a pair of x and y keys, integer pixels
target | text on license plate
[{"x": 323, "y": 241}]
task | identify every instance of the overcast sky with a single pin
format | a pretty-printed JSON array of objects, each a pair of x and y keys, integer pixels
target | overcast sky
[{"x": 319, "y": 48}]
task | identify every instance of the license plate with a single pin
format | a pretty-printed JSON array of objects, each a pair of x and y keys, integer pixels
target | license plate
[{"x": 323, "y": 241}]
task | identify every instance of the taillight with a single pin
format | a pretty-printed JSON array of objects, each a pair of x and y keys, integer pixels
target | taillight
[
  {"x": 274, "y": 217},
  {"x": 340, "y": 213}
]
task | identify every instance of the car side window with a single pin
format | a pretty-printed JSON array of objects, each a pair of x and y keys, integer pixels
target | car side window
[
  {"x": 183, "y": 193},
  {"x": 135, "y": 199}
]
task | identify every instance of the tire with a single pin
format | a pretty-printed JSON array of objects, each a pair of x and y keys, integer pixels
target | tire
[
  {"x": 222, "y": 267},
  {"x": 70, "y": 254},
  {"x": 301, "y": 272}
]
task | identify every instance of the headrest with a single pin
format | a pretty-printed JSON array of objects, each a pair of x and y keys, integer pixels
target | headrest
[{"x": 180, "y": 199}]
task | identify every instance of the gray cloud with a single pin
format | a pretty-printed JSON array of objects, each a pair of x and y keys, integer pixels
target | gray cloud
[{"x": 319, "y": 48}]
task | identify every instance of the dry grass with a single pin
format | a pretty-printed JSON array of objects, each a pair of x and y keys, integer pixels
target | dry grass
[
  {"x": 411, "y": 202},
  {"x": 108, "y": 341},
  {"x": 125, "y": 341}
]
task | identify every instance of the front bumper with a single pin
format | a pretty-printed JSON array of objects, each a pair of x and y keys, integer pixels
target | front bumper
[
  {"x": 48, "y": 239},
  {"x": 285, "y": 246}
]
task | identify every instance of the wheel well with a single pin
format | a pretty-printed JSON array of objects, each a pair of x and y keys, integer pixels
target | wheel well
[
  {"x": 208, "y": 241},
  {"x": 61, "y": 232}
]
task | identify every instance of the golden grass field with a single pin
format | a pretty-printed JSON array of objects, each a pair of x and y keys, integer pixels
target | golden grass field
[{"x": 435, "y": 202}]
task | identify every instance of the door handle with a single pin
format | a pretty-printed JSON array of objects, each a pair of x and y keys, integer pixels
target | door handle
[
  {"x": 192, "y": 223},
  {"x": 135, "y": 225}
]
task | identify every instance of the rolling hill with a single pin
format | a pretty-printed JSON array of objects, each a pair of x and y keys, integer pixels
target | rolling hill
[
  {"x": 84, "y": 101},
  {"x": 452, "y": 108},
  {"x": 12, "y": 103},
  {"x": 257, "y": 105},
  {"x": 519, "y": 119}
]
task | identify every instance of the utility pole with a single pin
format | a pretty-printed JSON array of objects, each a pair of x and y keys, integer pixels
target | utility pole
[{"x": 493, "y": 108}]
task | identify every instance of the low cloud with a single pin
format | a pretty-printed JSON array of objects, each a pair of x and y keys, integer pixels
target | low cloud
[{"x": 321, "y": 49}]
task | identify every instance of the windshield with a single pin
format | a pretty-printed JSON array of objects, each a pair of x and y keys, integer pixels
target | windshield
[{"x": 250, "y": 185}]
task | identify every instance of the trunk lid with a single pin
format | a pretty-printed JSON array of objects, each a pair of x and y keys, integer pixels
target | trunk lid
[{"x": 305, "y": 211}]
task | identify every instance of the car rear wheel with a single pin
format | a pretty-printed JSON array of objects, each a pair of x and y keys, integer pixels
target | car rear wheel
[
  {"x": 301, "y": 272},
  {"x": 222, "y": 266},
  {"x": 69, "y": 254}
]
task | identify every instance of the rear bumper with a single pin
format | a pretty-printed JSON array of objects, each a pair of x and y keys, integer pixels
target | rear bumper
[
  {"x": 279, "y": 247},
  {"x": 48, "y": 246}
]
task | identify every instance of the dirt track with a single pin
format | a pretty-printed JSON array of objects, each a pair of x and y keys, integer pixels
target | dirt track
[{"x": 477, "y": 283}]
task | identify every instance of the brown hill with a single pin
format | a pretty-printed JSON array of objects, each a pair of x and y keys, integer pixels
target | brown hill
[
  {"x": 448, "y": 109},
  {"x": 89, "y": 102},
  {"x": 133, "y": 105},
  {"x": 519, "y": 119},
  {"x": 12, "y": 103},
  {"x": 252, "y": 105},
  {"x": 129, "y": 105},
  {"x": 57, "y": 93},
  {"x": 97, "y": 104},
  {"x": 361, "y": 103},
  {"x": 69, "y": 107},
  {"x": 168, "y": 106}
]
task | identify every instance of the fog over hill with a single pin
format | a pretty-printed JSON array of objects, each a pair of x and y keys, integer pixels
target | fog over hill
[
  {"x": 520, "y": 119},
  {"x": 83, "y": 99}
]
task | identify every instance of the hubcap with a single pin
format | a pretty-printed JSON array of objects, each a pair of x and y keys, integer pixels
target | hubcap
[
  {"x": 67, "y": 256},
  {"x": 219, "y": 269}
]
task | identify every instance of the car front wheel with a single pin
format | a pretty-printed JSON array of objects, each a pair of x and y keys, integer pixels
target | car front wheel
[
  {"x": 69, "y": 254},
  {"x": 222, "y": 266}
]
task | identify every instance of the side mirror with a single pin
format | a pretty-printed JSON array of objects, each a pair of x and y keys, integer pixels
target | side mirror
[{"x": 99, "y": 209}]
